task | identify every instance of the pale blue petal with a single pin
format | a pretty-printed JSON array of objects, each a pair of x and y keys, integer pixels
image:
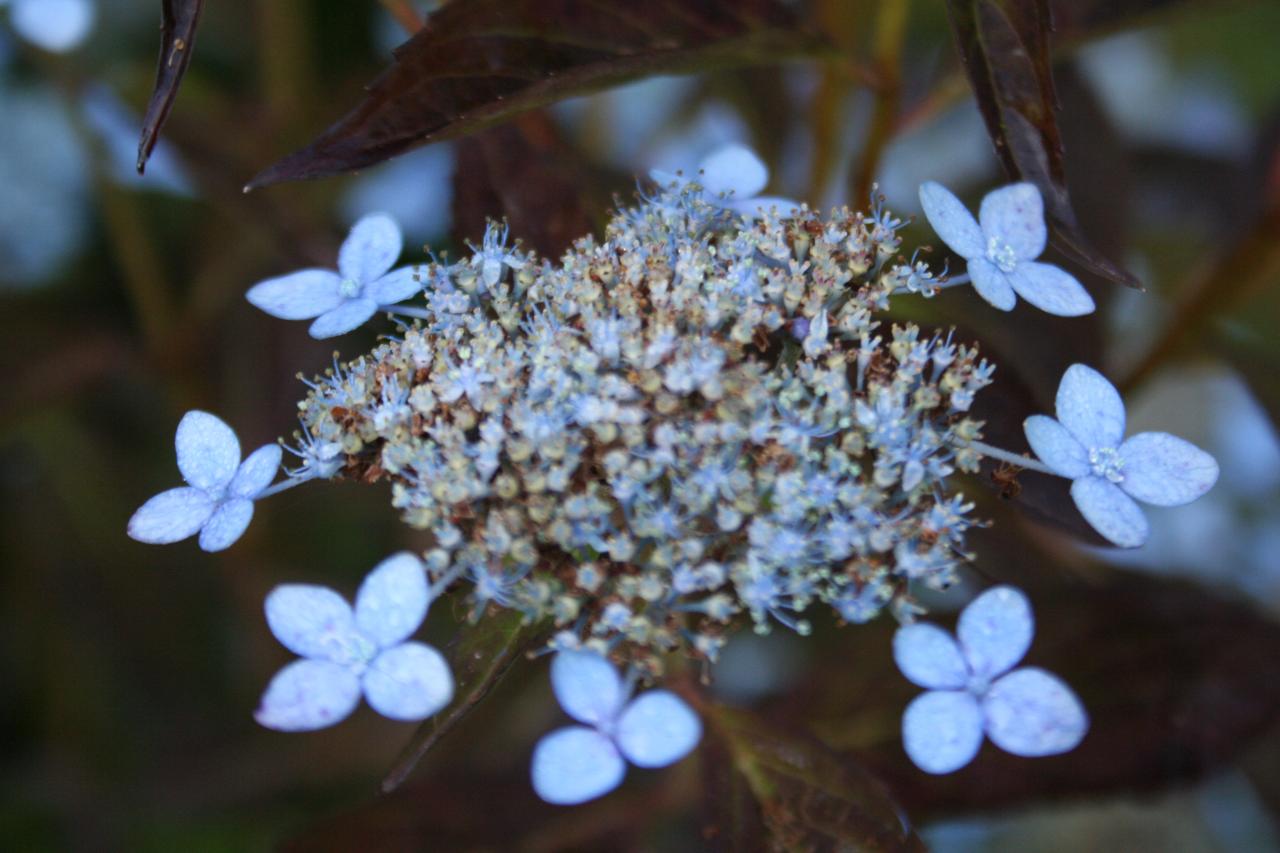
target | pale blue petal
[
  {"x": 1052, "y": 290},
  {"x": 733, "y": 169},
  {"x": 297, "y": 296},
  {"x": 393, "y": 599},
  {"x": 942, "y": 730},
  {"x": 758, "y": 206},
  {"x": 227, "y": 524},
  {"x": 171, "y": 516},
  {"x": 1165, "y": 470},
  {"x": 311, "y": 621},
  {"x": 256, "y": 472},
  {"x": 1110, "y": 511},
  {"x": 952, "y": 221},
  {"x": 370, "y": 249},
  {"x": 991, "y": 284},
  {"x": 307, "y": 695},
  {"x": 1032, "y": 713},
  {"x": 995, "y": 631},
  {"x": 1014, "y": 215},
  {"x": 656, "y": 729},
  {"x": 929, "y": 657},
  {"x": 587, "y": 686},
  {"x": 349, "y": 315},
  {"x": 208, "y": 451},
  {"x": 410, "y": 681},
  {"x": 1056, "y": 446},
  {"x": 667, "y": 179},
  {"x": 396, "y": 286},
  {"x": 575, "y": 764},
  {"x": 1090, "y": 407},
  {"x": 54, "y": 25}
]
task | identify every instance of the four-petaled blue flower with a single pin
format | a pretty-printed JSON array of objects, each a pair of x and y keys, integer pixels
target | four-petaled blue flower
[
  {"x": 1001, "y": 251},
  {"x": 346, "y": 653},
  {"x": 1027, "y": 712},
  {"x": 217, "y": 503},
  {"x": 732, "y": 177},
  {"x": 579, "y": 763},
  {"x": 1086, "y": 444},
  {"x": 344, "y": 300}
]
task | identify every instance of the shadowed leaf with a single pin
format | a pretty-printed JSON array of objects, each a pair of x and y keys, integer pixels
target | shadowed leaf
[
  {"x": 1004, "y": 45},
  {"x": 179, "y": 19},
  {"x": 482, "y": 62}
]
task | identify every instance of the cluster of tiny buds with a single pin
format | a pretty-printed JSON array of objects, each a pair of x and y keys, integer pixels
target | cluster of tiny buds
[{"x": 692, "y": 423}]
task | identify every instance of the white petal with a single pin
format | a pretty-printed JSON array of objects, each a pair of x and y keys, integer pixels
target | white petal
[
  {"x": 733, "y": 169},
  {"x": 396, "y": 286},
  {"x": 1032, "y": 713},
  {"x": 311, "y": 621},
  {"x": 370, "y": 249},
  {"x": 992, "y": 284},
  {"x": 393, "y": 599},
  {"x": 1052, "y": 290},
  {"x": 54, "y": 25},
  {"x": 256, "y": 472},
  {"x": 1110, "y": 511},
  {"x": 227, "y": 524},
  {"x": 757, "y": 206},
  {"x": 995, "y": 631},
  {"x": 208, "y": 450},
  {"x": 171, "y": 516},
  {"x": 929, "y": 657},
  {"x": 410, "y": 681},
  {"x": 587, "y": 686},
  {"x": 952, "y": 221},
  {"x": 1165, "y": 470},
  {"x": 297, "y": 296},
  {"x": 1056, "y": 446},
  {"x": 575, "y": 764},
  {"x": 942, "y": 730},
  {"x": 656, "y": 729},
  {"x": 1090, "y": 407},
  {"x": 349, "y": 315},
  {"x": 1014, "y": 215},
  {"x": 307, "y": 695}
]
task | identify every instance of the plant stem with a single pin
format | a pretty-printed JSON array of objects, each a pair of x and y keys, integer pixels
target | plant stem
[
  {"x": 1012, "y": 458},
  {"x": 404, "y": 13}
]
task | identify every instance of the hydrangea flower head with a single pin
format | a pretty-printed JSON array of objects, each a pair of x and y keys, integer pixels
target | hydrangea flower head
[
  {"x": 1001, "y": 248},
  {"x": 579, "y": 763},
  {"x": 53, "y": 25},
  {"x": 1027, "y": 712},
  {"x": 731, "y": 177},
  {"x": 1086, "y": 444},
  {"x": 217, "y": 501},
  {"x": 343, "y": 300},
  {"x": 345, "y": 653}
]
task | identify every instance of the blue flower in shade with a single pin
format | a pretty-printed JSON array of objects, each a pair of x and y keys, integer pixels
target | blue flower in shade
[
  {"x": 1027, "y": 712},
  {"x": 732, "y": 177},
  {"x": 579, "y": 763},
  {"x": 1001, "y": 251},
  {"x": 1086, "y": 444},
  {"x": 53, "y": 25},
  {"x": 344, "y": 300},
  {"x": 217, "y": 501},
  {"x": 346, "y": 653}
]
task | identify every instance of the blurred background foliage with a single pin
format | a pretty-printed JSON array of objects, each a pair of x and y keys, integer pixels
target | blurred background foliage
[{"x": 128, "y": 673}]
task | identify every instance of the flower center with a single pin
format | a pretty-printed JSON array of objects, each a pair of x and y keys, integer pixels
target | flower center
[
  {"x": 349, "y": 288},
  {"x": 978, "y": 685},
  {"x": 1001, "y": 254},
  {"x": 1106, "y": 463}
]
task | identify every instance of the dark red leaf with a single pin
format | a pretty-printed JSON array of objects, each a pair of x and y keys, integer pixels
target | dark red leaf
[
  {"x": 179, "y": 19},
  {"x": 479, "y": 63}
]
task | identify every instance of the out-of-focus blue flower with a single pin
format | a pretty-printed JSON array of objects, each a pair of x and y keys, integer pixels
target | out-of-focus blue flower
[
  {"x": 118, "y": 128},
  {"x": 53, "y": 25},
  {"x": 579, "y": 763},
  {"x": 732, "y": 177},
  {"x": 1085, "y": 445},
  {"x": 1001, "y": 251},
  {"x": 345, "y": 653},
  {"x": 416, "y": 190},
  {"x": 1027, "y": 712},
  {"x": 342, "y": 301},
  {"x": 217, "y": 503}
]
